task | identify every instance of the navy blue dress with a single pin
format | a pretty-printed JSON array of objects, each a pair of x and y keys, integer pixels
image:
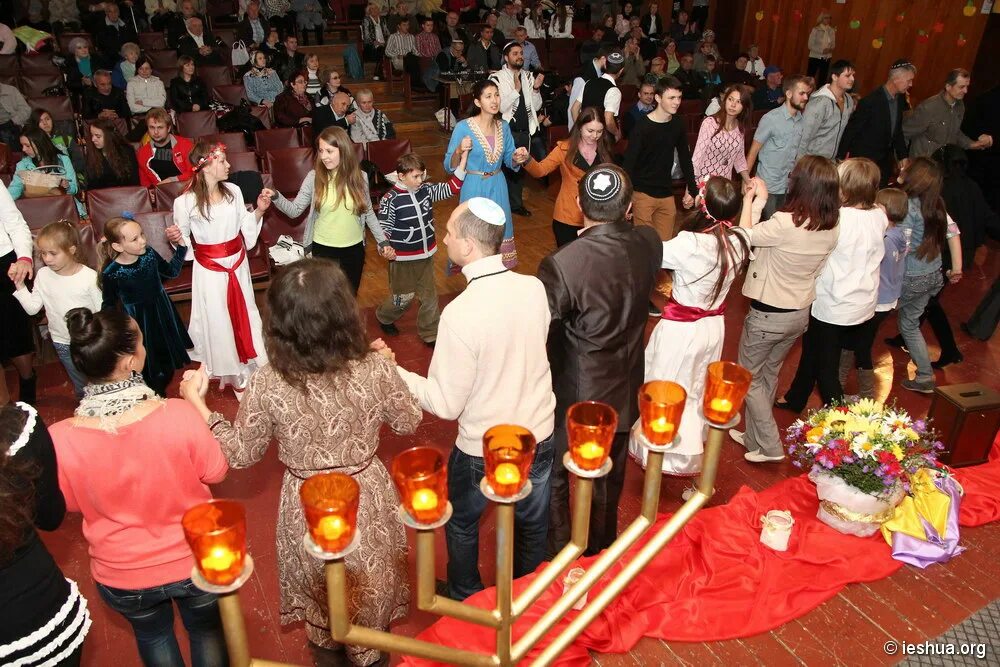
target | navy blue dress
[{"x": 139, "y": 289}]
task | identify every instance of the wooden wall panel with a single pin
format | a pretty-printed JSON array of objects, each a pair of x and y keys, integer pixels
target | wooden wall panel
[{"x": 784, "y": 41}]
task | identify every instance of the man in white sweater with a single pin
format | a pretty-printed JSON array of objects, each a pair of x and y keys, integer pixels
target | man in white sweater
[{"x": 489, "y": 367}]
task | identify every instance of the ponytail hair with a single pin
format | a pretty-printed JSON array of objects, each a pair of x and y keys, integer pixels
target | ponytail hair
[
  {"x": 64, "y": 235},
  {"x": 112, "y": 234},
  {"x": 723, "y": 201},
  {"x": 99, "y": 340}
]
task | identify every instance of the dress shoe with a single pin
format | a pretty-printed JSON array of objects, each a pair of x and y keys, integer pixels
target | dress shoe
[
  {"x": 654, "y": 310},
  {"x": 760, "y": 457},
  {"x": 27, "y": 390},
  {"x": 785, "y": 405},
  {"x": 522, "y": 212},
  {"x": 389, "y": 329},
  {"x": 945, "y": 360}
]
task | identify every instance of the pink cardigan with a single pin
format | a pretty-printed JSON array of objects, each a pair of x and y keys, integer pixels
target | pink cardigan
[
  {"x": 133, "y": 487},
  {"x": 718, "y": 155}
]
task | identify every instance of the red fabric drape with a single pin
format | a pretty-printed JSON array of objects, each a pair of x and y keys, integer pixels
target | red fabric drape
[
  {"x": 206, "y": 254},
  {"x": 678, "y": 312},
  {"x": 715, "y": 580}
]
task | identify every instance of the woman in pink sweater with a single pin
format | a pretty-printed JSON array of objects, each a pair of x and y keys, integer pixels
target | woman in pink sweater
[
  {"x": 132, "y": 464},
  {"x": 720, "y": 149}
]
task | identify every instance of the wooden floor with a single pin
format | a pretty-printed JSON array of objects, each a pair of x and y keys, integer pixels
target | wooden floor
[{"x": 850, "y": 629}]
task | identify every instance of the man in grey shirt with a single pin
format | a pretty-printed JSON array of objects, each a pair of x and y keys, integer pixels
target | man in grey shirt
[
  {"x": 826, "y": 115},
  {"x": 776, "y": 142},
  {"x": 937, "y": 121},
  {"x": 14, "y": 112}
]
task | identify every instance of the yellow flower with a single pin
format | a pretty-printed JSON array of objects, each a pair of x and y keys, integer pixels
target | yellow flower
[
  {"x": 814, "y": 434},
  {"x": 897, "y": 451},
  {"x": 911, "y": 434}
]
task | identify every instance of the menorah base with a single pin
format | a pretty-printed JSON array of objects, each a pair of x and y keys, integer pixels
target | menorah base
[{"x": 203, "y": 584}]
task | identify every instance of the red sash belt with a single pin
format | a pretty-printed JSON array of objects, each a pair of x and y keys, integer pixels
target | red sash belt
[
  {"x": 677, "y": 312},
  {"x": 206, "y": 254}
]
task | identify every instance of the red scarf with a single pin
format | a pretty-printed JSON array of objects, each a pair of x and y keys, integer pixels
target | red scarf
[
  {"x": 206, "y": 254},
  {"x": 678, "y": 312}
]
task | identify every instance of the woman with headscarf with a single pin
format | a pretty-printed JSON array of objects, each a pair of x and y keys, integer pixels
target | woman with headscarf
[{"x": 261, "y": 82}]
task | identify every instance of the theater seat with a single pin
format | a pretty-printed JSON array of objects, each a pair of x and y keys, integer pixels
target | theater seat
[
  {"x": 195, "y": 124},
  {"x": 149, "y": 41},
  {"x": 556, "y": 134},
  {"x": 215, "y": 75},
  {"x": 235, "y": 142},
  {"x": 277, "y": 223},
  {"x": 58, "y": 106},
  {"x": 278, "y": 137},
  {"x": 39, "y": 64},
  {"x": 230, "y": 93},
  {"x": 263, "y": 114},
  {"x": 360, "y": 151},
  {"x": 288, "y": 167},
  {"x": 40, "y": 211},
  {"x": 164, "y": 194},
  {"x": 9, "y": 66},
  {"x": 106, "y": 203},
  {"x": 243, "y": 161},
  {"x": 67, "y": 37},
  {"x": 162, "y": 58},
  {"x": 154, "y": 226},
  {"x": 386, "y": 153},
  {"x": 35, "y": 85}
]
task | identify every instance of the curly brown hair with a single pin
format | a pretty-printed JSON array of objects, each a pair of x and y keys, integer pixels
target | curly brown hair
[
  {"x": 17, "y": 484},
  {"x": 312, "y": 324}
]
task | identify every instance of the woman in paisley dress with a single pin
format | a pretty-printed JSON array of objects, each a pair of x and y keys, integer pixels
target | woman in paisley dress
[
  {"x": 487, "y": 139},
  {"x": 323, "y": 397}
]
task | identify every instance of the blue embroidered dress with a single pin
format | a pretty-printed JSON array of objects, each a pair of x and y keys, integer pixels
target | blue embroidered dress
[
  {"x": 484, "y": 159},
  {"x": 138, "y": 287}
]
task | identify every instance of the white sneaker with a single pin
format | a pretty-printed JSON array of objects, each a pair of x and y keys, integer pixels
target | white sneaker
[
  {"x": 760, "y": 457},
  {"x": 737, "y": 436}
]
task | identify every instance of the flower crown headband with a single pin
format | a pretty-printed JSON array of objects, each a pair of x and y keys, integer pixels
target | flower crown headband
[
  {"x": 700, "y": 199},
  {"x": 218, "y": 151}
]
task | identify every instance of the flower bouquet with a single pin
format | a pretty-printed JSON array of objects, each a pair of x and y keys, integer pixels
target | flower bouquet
[{"x": 860, "y": 456}]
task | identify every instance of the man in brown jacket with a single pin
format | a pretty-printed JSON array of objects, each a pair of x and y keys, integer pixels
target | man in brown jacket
[{"x": 598, "y": 289}]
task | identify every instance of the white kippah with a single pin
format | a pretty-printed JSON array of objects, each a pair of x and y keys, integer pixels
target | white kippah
[
  {"x": 488, "y": 211},
  {"x": 602, "y": 184}
]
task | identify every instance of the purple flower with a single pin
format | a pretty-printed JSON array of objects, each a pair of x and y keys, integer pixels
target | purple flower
[{"x": 920, "y": 426}]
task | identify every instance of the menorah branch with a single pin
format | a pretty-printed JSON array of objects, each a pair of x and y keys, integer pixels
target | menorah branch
[{"x": 429, "y": 600}]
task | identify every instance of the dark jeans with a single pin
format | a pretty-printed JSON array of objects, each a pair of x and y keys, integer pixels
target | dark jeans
[
  {"x": 604, "y": 506},
  {"x": 774, "y": 202},
  {"x": 819, "y": 364},
  {"x": 862, "y": 339},
  {"x": 351, "y": 259},
  {"x": 819, "y": 68},
  {"x": 515, "y": 179},
  {"x": 564, "y": 233},
  {"x": 150, "y": 612},
  {"x": 531, "y": 520}
]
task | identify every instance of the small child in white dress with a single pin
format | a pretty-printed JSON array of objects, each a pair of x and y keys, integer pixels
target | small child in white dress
[
  {"x": 225, "y": 324},
  {"x": 705, "y": 259}
]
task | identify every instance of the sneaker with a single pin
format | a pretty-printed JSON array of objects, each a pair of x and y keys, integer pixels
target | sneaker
[
  {"x": 919, "y": 387},
  {"x": 389, "y": 329},
  {"x": 654, "y": 311},
  {"x": 760, "y": 457},
  {"x": 948, "y": 359},
  {"x": 737, "y": 436}
]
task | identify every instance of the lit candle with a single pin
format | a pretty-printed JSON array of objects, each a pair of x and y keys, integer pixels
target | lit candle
[
  {"x": 590, "y": 451},
  {"x": 721, "y": 405},
  {"x": 219, "y": 559},
  {"x": 507, "y": 473},
  {"x": 661, "y": 425},
  {"x": 424, "y": 499},
  {"x": 332, "y": 527}
]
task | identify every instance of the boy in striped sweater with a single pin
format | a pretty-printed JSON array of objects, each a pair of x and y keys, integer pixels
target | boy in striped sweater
[{"x": 406, "y": 213}]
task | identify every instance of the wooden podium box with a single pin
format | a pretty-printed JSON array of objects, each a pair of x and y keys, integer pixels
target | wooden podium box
[{"x": 967, "y": 417}]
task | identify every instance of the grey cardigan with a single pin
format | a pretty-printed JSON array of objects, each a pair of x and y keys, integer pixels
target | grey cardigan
[
  {"x": 304, "y": 199},
  {"x": 823, "y": 123}
]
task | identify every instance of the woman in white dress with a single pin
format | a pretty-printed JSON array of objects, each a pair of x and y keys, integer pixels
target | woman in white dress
[
  {"x": 214, "y": 221},
  {"x": 705, "y": 260}
]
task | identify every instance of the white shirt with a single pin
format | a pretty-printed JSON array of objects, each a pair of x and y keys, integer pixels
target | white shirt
[
  {"x": 575, "y": 95},
  {"x": 490, "y": 364},
  {"x": 198, "y": 39},
  {"x": 612, "y": 98},
  {"x": 509, "y": 98},
  {"x": 847, "y": 286},
  {"x": 14, "y": 232},
  {"x": 60, "y": 294}
]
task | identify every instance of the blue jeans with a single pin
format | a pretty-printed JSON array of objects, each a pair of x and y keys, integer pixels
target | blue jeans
[
  {"x": 75, "y": 376},
  {"x": 531, "y": 519},
  {"x": 150, "y": 612},
  {"x": 917, "y": 291}
]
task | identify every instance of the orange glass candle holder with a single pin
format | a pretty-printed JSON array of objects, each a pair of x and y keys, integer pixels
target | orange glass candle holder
[
  {"x": 508, "y": 452},
  {"x": 216, "y": 531},
  {"x": 661, "y": 405},
  {"x": 590, "y": 428},
  {"x": 726, "y": 386},
  {"x": 421, "y": 478},
  {"x": 330, "y": 502}
]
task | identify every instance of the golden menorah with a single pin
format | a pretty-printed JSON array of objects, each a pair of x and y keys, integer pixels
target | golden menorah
[{"x": 216, "y": 530}]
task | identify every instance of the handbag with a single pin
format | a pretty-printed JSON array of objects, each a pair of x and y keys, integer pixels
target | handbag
[
  {"x": 42, "y": 181},
  {"x": 240, "y": 54}
]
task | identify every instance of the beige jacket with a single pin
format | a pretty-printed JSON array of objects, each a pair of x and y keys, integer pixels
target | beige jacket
[{"x": 787, "y": 260}]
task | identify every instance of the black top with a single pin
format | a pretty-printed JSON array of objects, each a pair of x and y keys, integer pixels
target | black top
[
  {"x": 649, "y": 158},
  {"x": 178, "y": 27},
  {"x": 519, "y": 121},
  {"x": 691, "y": 83},
  {"x": 483, "y": 58},
  {"x": 107, "y": 178},
  {"x": 185, "y": 94},
  {"x": 594, "y": 93},
  {"x": 871, "y": 133},
  {"x": 186, "y": 46},
  {"x": 162, "y": 162},
  {"x": 323, "y": 118},
  {"x": 32, "y": 588},
  {"x": 286, "y": 65},
  {"x": 94, "y": 102}
]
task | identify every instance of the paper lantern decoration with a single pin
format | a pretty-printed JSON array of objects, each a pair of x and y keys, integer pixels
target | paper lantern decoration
[
  {"x": 877, "y": 43},
  {"x": 969, "y": 9},
  {"x": 961, "y": 40},
  {"x": 759, "y": 16},
  {"x": 938, "y": 27},
  {"x": 855, "y": 24},
  {"x": 881, "y": 25},
  {"x": 900, "y": 17},
  {"x": 797, "y": 15},
  {"x": 922, "y": 37}
]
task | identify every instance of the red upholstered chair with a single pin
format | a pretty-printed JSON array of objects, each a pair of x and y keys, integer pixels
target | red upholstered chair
[
  {"x": 243, "y": 161},
  {"x": 88, "y": 247},
  {"x": 306, "y": 135},
  {"x": 9, "y": 66},
  {"x": 152, "y": 41},
  {"x": 35, "y": 85},
  {"x": 40, "y": 211},
  {"x": 288, "y": 167},
  {"x": 154, "y": 227},
  {"x": 106, "y": 203},
  {"x": 166, "y": 74},
  {"x": 360, "y": 151},
  {"x": 164, "y": 194},
  {"x": 59, "y": 107},
  {"x": 39, "y": 64},
  {"x": 691, "y": 106},
  {"x": 159, "y": 58},
  {"x": 227, "y": 35},
  {"x": 231, "y": 93},
  {"x": 276, "y": 137},
  {"x": 557, "y": 133},
  {"x": 276, "y": 223},
  {"x": 630, "y": 94},
  {"x": 386, "y": 153},
  {"x": 263, "y": 114},
  {"x": 195, "y": 124},
  {"x": 235, "y": 142},
  {"x": 216, "y": 75}
]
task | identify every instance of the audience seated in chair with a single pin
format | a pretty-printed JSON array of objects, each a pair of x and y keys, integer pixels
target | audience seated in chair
[
  {"x": 125, "y": 69},
  {"x": 177, "y": 27},
  {"x": 103, "y": 100},
  {"x": 370, "y": 124},
  {"x": 200, "y": 44},
  {"x": 288, "y": 60},
  {"x": 187, "y": 91},
  {"x": 40, "y": 155},
  {"x": 338, "y": 112},
  {"x": 293, "y": 108},
  {"x": 261, "y": 82},
  {"x": 164, "y": 158},
  {"x": 14, "y": 113},
  {"x": 113, "y": 34},
  {"x": 253, "y": 29},
  {"x": 110, "y": 161}
]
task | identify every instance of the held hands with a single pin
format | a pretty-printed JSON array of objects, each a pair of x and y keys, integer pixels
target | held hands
[
  {"x": 378, "y": 345},
  {"x": 388, "y": 253},
  {"x": 194, "y": 385},
  {"x": 688, "y": 200},
  {"x": 521, "y": 155},
  {"x": 954, "y": 276},
  {"x": 174, "y": 235},
  {"x": 466, "y": 144},
  {"x": 264, "y": 199},
  {"x": 352, "y": 118}
]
